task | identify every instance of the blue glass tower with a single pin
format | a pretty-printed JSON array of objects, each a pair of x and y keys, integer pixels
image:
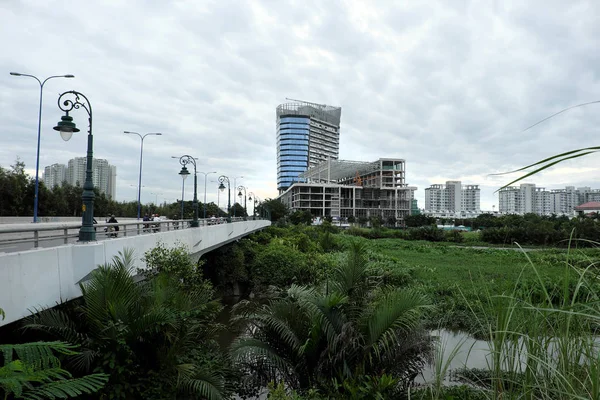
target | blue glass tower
[{"x": 307, "y": 134}]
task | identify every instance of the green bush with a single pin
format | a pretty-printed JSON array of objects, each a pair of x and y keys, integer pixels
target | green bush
[
  {"x": 454, "y": 236},
  {"x": 280, "y": 265}
]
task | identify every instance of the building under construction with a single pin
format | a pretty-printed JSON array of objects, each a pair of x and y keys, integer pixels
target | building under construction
[{"x": 341, "y": 188}]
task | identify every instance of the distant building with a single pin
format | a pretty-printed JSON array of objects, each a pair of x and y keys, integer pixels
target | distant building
[
  {"x": 527, "y": 198},
  {"x": 340, "y": 189},
  {"x": 452, "y": 198},
  {"x": 307, "y": 134},
  {"x": 103, "y": 175},
  {"x": 54, "y": 175}
]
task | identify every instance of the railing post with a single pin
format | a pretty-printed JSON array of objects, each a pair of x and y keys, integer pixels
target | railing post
[
  {"x": 124, "y": 230},
  {"x": 66, "y": 232},
  {"x": 36, "y": 236}
]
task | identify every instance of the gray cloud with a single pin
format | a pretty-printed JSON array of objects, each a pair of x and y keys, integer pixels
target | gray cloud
[{"x": 449, "y": 86}]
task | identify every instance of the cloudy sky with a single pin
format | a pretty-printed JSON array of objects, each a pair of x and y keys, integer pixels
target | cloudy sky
[{"x": 449, "y": 86}]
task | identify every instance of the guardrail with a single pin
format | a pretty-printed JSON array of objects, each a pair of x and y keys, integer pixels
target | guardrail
[{"x": 12, "y": 234}]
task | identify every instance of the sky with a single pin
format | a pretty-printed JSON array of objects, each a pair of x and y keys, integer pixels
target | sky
[{"x": 449, "y": 86}]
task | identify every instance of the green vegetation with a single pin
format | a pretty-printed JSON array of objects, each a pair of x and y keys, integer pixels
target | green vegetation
[
  {"x": 335, "y": 337},
  {"x": 333, "y": 314},
  {"x": 154, "y": 339}
]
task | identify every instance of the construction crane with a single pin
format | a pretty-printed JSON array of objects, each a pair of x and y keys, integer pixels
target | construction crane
[{"x": 357, "y": 179}]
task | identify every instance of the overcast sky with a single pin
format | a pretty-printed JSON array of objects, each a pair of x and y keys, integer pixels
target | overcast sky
[{"x": 449, "y": 86}]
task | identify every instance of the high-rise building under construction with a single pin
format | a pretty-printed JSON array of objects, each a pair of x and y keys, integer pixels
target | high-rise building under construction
[{"x": 307, "y": 134}]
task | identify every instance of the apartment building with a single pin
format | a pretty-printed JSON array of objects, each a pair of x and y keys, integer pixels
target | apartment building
[
  {"x": 307, "y": 134},
  {"x": 527, "y": 198},
  {"x": 54, "y": 175},
  {"x": 452, "y": 198},
  {"x": 342, "y": 188},
  {"x": 103, "y": 174}
]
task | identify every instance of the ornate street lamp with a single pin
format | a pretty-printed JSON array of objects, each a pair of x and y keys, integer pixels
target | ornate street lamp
[
  {"x": 142, "y": 137},
  {"x": 240, "y": 188},
  {"x": 222, "y": 180},
  {"x": 184, "y": 161},
  {"x": 251, "y": 197},
  {"x": 37, "y": 158},
  {"x": 67, "y": 127}
]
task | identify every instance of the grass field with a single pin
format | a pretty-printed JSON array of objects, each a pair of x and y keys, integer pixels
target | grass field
[{"x": 462, "y": 280}]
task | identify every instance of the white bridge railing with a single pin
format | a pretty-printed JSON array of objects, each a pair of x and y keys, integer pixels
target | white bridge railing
[{"x": 56, "y": 233}]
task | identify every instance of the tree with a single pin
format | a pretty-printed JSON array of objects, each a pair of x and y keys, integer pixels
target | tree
[
  {"x": 418, "y": 220},
  {"x": 348, "y": 329},
  {"x": 237, "y": 210},
  {"x": 273, "y": 207},
  {"x": 150, "y": 337},
  {"x": 301, "y": 217}
]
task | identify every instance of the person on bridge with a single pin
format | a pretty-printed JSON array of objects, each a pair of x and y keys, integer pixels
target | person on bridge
[{"x": 115, "y": 228}]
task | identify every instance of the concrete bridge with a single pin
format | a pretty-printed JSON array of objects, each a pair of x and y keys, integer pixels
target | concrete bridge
[{"x": 44, "y": 277}]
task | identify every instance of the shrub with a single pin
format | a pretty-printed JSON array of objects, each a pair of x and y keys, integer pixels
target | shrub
[
  {"x": 454, "y": 236},
  {"x": 281, "y": 266}
]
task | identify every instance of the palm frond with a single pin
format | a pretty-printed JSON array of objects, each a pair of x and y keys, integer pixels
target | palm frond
[
  {"x": 250, "y": 350},
  {"x": 557, "y": 159},
  {"x": 399, "y": 312},
  {"x": 194, "y": 380},
  {"x": 66, "y": 388}
]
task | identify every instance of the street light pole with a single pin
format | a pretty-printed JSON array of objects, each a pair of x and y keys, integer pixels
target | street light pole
[
  {"x": 255, "y": 199},
  {"x": 222, "y": 179},
  {"x": 140, "y": 175},
  {"x": 234, "y": 186},
  {"x": 67, "y": 127},
  {"x": 184, "y": 161},
  {"x": 240, "y": 188},
  {"x": 37, "y": 158},
  {"x": 205, "y": 175}
]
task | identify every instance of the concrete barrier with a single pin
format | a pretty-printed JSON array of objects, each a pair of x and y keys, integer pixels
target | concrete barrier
[{"x": 46, "y": 277}]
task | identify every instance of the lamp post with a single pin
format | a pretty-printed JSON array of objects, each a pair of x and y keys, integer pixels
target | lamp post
[
  {"x": 67, "y": 127},
  {"x": 205, "y": 175},
  {"x": 251, "y": 197},
  {"x": 240, "y": 188},
  {"x": 222, "y": 179},
  {"x": 184, "y": 161},
  {"x": 37, "y": 157},
  {"x": 234, "y": 186},
  {"x": 256, "y": 201},
  {"x": 142, "y": 137},
  {"x": 156, "y": 198}
]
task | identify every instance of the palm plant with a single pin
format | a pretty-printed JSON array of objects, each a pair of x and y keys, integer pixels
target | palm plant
[
  {"x": 36, "y": 372},
  {"x": 133, "y": 330},
  {"x": 352, "y": 328}
]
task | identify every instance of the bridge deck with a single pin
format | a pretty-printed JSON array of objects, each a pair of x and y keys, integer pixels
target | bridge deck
[{"x": 46, "y": 276}]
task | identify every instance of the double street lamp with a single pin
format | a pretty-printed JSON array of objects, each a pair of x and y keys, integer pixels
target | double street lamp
[
  {"x": 222, "y": 180},
  {"x": 184, "y": 161},
  {"x": 205, "y": 175},
  {"x": 142, "y": 137},
  {"x": 37, "y": 158},
  {"x": 66, "y": 127}
]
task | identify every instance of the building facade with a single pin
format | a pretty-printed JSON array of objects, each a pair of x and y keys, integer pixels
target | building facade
[
  {"x": 527, "y": 198},
  {"x": 341, "y": 189},
  {"x": 307, "y": 134},
  {"x": 452, "y": 198},
  {"x": 103, "y": 175},
  {"x": 55, "y": 175}
]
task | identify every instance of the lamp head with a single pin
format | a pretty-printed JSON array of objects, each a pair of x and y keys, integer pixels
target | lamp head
[
  {"x": 184, "y": 172},
  {"x": 249, "y": 198},
  {"x": 221, "y": 187},
  {"x": 15, "y": 73},
  {"x": 66, "y": 127},
  {"x": 68, "y": 76},
  {"x": 240, "y": 193}
]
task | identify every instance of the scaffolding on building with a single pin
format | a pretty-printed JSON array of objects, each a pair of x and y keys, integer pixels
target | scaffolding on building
[{"x": 329, "y": 114}]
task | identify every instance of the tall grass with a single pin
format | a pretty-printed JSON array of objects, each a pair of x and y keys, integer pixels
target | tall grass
[{"x": 540, "y": 348}]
